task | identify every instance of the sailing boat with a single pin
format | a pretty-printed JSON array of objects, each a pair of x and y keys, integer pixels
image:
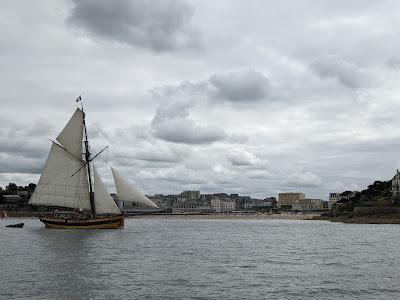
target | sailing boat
[{"x": 66, "y": 181}]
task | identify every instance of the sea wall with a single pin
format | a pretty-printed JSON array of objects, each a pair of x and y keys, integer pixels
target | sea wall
[{"x": 375, "y": 210}]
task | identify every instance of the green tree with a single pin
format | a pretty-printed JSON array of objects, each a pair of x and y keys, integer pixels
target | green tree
[
  {"x": 12, "y": 187},
  {"x": 31, "y": 187}
]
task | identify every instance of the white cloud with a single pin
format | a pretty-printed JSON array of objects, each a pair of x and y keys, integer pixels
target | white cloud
[
  {"x": 179, "y": 174},
  {"x": 172, "y": 123},
  {"x": 303, "y": 179},
  {"x": 241, "y": 157}
]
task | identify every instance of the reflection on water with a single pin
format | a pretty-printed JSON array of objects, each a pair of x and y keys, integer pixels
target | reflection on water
[{"x": 201, "y": 259}]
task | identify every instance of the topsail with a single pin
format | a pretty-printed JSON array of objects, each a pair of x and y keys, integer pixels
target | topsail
[{"x": 72, "y": 134}]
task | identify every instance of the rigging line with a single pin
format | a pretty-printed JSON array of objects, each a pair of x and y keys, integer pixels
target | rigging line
[
  {"x": 104, "y": 134},
  {"x": 85, "y": 163},
  {"x": 98, "y": 154}
]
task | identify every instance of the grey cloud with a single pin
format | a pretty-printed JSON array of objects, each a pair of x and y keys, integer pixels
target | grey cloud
[
  {"x": 160, "y": 25},
  {"x": 240, "y": 86},
  {"x": 172, "y": 123},
  {"x": 393, "y": 62},
  {"x": 159, "y": 152},
  {"x": 40, "y": 127},
  {"x": 260, "y": 174},
  {"x": 18, "y": 164},
  {"x": 158, "y": 156},
  {"x": 23, "y": 147},
  {"x": 183, "y": 89},
  {"x": 243, "y": 86},
  {"x": 347, "y": 73}
]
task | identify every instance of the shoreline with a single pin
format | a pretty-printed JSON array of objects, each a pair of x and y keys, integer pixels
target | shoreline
[
  {"x": 228, "y": 216},
  {"x": 363, "y": 219}
]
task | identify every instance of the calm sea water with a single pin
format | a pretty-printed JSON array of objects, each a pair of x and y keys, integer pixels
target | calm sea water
[{"x": 201, "y": 259}]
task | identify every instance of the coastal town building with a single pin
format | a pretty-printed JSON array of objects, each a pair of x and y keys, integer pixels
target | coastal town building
[
  {"x": 318, "y": 204},
  {"x": 191, "y": 195},
  {"x": 13, "y": 202},
  {"x": 164, "y": 202},
  {"x": 242, "y": 202},
  {"x": 396, "y": 187},
  {"x": 219, "y": 205},
  {"x": 12, "y": 198},
  {"x": 298, "y": 202},
  {"x": 287, "y": 200},
  {"x": 333, "y": 198},
  {"x": 23, "y": 193},
  {"x": 300, "y": 205},
  {"x": 264, "y": 203},
  {"x": 190, "y": 207},
  {"x": 310, "y": 205}
]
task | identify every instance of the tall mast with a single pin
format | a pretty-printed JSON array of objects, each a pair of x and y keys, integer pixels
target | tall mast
[{"x": 87, "y": 158}]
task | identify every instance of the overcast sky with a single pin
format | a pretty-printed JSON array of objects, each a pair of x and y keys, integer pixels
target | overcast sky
[{"x": 248, "y": 97}]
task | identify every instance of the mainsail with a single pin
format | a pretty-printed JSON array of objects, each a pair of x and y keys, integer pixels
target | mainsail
[
  {"x": 127, "y": 192},
  {"x": 57, "y": 186},
  {"x": 61, "y": 184},
  {"x": 103, "y": 202}
]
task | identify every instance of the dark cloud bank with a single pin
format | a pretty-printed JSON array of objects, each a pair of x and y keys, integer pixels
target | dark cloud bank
[{"x": 160, "y": 25}]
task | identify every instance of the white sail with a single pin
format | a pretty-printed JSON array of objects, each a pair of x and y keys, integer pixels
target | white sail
[
  {"x": 104, "y": 204},
  {"x": 127, "y": 192},
  {"x": 56, "y": 186},
  {"x": 71, "y": 136}
]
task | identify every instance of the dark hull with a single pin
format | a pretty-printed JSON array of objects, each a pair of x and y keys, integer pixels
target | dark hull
[
  {"x": 110, "y": 222},
  {"x": 19, "y": 225}
]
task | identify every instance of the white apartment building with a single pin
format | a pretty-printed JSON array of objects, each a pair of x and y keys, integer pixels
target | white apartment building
[{"x": 222, "y": 205}]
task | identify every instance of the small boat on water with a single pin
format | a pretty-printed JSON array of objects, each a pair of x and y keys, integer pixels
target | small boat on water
[
  {"x": 70, "y": 180},
  {"x": 18, "y": 225}
]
